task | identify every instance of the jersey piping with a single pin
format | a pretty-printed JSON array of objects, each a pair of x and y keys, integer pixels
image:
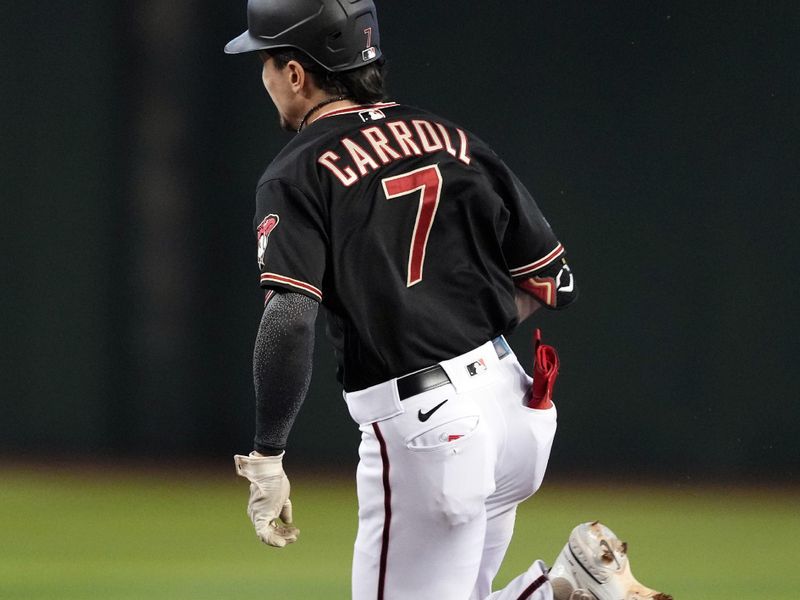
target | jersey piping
[
  {"x": 538, "y": 264},
  {"x": 295, "y": 283}
]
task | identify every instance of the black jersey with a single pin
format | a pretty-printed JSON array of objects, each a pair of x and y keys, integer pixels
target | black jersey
[{"x": 407, "y": 228}]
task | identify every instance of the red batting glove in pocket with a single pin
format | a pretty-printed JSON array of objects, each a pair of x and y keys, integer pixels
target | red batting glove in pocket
[{"x": 545, "y": 371}]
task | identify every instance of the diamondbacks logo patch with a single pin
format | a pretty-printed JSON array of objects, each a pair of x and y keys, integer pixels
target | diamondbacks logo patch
[{"x": 269, "y": 223}]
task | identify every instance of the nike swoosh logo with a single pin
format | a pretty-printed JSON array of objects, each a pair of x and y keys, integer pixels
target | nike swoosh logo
[{"x": 424, "y": 416}]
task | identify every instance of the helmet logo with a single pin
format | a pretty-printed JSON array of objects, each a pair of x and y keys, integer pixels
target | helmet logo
[{"x": 370, "y": 52}]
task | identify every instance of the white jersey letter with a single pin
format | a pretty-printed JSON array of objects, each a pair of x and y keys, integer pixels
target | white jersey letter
[{"x": 328, "y": 160}]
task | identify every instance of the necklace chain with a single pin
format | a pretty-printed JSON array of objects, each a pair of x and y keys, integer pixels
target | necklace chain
[{"x": 316, "y": 108}]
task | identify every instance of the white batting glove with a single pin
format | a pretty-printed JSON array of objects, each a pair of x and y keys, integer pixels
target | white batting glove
[{"x": 269, "y": 498}]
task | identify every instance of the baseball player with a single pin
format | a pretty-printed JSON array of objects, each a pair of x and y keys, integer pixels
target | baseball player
[{"x": 425, "y": 249}]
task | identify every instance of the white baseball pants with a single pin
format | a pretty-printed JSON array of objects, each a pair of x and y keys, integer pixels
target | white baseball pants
[{"x": 438, "y": 489}]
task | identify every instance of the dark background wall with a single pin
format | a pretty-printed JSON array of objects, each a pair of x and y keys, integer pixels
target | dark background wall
[{"x": 660, "y": 138}]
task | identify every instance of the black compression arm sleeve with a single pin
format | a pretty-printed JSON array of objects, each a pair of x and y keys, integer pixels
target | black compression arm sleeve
[{"x": 282, "y": 367}]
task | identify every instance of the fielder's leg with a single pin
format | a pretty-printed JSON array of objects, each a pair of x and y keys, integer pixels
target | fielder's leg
[
  {"x": 499, "y": 530},
  {"x": 526, "y": 437},
  {"x": 533, "y": 584}
]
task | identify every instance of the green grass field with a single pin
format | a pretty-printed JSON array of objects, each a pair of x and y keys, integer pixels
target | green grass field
[{"x": 110, "y": 534}]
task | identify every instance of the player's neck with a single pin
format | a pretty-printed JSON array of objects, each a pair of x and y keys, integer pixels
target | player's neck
[{"x": 329, "y": 108}]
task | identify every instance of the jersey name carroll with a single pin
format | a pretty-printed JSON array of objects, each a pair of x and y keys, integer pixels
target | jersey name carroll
[{"x": 380, "y": 145}]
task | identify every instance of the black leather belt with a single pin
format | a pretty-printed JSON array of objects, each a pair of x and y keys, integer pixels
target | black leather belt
[{"x": 435, "y": 376}]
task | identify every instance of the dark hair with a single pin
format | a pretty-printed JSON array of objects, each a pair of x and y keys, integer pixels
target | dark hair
[{"x": 364, "y": 85}]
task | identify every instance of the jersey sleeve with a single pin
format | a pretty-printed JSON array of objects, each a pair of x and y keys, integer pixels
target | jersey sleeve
[
  {"x": 534, "y": 256},
  {"x": 291, "y": 239},
  {"x": 529, "y": 244}
]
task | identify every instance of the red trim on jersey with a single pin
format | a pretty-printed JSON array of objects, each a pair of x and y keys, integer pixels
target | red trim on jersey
[
  {"x": 387, "y": 509},
  {"x": 533, "y": 587},
  {"x": 542, "y": 288},
  {"x": 542, "y": 262},
  {"x": 275, "y": 278},
  {"x": 352, "y": 109}
]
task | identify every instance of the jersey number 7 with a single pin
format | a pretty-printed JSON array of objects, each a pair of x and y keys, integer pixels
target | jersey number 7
[{"x": 428, "y": 182}]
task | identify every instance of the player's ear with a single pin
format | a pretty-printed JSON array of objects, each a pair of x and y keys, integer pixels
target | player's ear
[{"x": 296, "y": 75}]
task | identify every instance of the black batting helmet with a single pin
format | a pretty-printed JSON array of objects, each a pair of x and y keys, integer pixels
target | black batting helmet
[{"x": 338, "y": 34}]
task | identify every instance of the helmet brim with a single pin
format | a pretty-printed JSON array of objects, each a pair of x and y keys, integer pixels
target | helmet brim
[{"x": 246, "y": 42}]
